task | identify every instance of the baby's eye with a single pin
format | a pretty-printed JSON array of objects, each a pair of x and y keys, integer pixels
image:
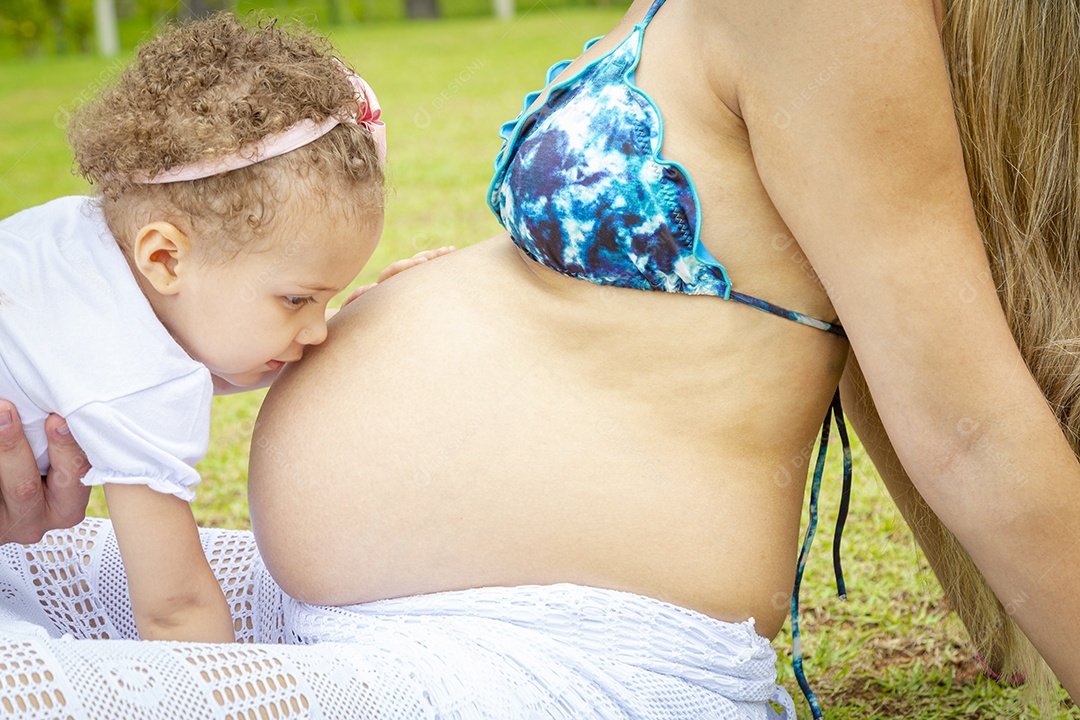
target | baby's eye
[{"x": 298, "y": 300}]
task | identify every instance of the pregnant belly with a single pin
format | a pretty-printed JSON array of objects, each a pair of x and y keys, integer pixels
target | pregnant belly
[{"x": 438, "y": 442}]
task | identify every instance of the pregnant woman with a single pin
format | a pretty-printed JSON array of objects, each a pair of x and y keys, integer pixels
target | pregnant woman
[
  {"x": 597, "y": 398},
  {"x": 547, "y": 465}
]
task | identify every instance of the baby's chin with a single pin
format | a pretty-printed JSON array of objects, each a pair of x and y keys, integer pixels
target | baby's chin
[{"x": 244, "y": 380}]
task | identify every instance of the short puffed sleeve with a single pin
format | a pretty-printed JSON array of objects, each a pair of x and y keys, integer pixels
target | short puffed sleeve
[{"x": 152, "y": 437}]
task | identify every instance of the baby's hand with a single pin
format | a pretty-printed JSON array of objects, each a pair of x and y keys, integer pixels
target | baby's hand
[{"x": 400, "y": 266}]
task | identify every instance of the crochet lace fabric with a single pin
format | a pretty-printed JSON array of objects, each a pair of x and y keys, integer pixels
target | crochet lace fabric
[{"x": 67, "y": 650}]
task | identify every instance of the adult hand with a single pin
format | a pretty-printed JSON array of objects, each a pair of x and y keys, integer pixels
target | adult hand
[{"x": 29, "y": 504}]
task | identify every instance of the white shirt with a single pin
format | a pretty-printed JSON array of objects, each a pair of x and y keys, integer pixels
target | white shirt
[{"x": 78, "y": 338}]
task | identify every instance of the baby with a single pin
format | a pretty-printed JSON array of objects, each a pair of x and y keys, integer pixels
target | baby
[{"x": 241, "y": 188}]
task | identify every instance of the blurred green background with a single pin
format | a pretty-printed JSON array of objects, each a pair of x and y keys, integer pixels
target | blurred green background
[{"x": 39, "y": 27}]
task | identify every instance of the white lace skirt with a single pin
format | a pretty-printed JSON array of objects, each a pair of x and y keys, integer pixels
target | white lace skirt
[{"x": 559, "y": 651}]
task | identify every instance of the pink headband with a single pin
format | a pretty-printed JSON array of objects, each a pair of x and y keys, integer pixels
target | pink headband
[{"x": 367, "y": 116}]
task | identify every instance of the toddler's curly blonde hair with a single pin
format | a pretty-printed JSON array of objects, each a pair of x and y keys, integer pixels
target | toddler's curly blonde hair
[{"x": 204, "y": 90}]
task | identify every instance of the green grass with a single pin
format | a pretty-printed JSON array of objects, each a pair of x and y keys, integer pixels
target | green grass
[{"x": 892, "y": 650}]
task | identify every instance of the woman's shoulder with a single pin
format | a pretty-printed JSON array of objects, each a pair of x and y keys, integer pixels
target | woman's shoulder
[{"x": 801, "y": 40}]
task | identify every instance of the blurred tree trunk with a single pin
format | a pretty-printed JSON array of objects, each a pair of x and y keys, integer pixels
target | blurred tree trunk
[
  {"x": 504, "y": 9},
  {"x": 338, "y": 12},
  {"x": 56, "y": 24},
  {"x": 105, "y": 28},
  {"x": 421, "y": 9}
]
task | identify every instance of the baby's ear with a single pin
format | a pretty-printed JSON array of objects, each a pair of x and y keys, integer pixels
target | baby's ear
[{"x": 158, "y": 251}]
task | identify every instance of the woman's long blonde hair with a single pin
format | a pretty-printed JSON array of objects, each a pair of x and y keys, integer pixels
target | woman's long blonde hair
[{"x": 1015, "y": 74}]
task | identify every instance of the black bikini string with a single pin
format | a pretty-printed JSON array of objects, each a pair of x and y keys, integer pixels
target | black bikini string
[{"x": 835, "y": 411}]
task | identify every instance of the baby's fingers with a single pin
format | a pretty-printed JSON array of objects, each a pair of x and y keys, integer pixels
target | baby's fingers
[
  {"x": 438, "y": 252},
  {"x": 432, "y": 254},
  {"x": 399, "y": 266},
  {"x": 358, "y": 292},
  {"x": 419, "y": 258}
]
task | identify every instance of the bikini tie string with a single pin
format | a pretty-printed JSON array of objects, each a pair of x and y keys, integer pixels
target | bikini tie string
[{"x": 836, "y": 412}]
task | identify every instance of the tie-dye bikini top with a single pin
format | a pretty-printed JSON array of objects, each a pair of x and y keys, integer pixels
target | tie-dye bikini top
[{"x": 582, "y": 188}]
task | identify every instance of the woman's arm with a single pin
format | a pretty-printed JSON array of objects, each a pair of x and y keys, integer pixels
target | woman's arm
[
  {"x": 174, "y": 594},
  {"x": 28, "y": 506},
  {"x": 1004, "y": 650},
  {"x": 860, "y": 412},
  {"x": 851, "y": 124}
]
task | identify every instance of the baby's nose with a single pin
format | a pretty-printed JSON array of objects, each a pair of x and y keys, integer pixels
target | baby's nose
[{"x": 313, "y": 334}]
